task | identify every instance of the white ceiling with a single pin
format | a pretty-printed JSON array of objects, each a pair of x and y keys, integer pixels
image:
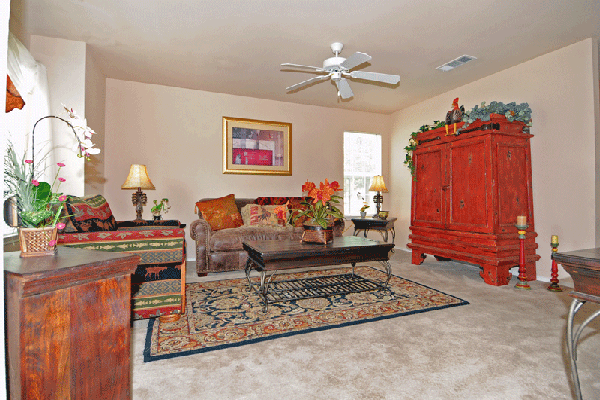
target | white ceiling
[{"x": 236, "y": 46}]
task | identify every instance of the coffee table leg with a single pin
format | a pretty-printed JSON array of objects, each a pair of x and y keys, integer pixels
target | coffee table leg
[
  {"x": 388, "y": 271},
  {"x": 263, "y": 290},
  {"x": 247, "y": 270}
]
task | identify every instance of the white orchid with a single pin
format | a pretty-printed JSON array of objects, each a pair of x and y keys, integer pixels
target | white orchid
[{"x": 83, "y": 133}]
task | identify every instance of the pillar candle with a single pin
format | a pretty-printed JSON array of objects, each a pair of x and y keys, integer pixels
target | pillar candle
[{"x": 521, "y": 220}]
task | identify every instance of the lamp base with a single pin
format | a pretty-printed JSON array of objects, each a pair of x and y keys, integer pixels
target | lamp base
[{"x": 139, "y": 200}]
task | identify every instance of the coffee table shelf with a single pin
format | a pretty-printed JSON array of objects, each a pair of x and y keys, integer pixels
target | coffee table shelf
[{"x": 320, "y": 286}]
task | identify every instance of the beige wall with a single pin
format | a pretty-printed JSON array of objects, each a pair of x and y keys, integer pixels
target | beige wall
[
  {"x": 561, "y": 88},
  {"x": 177, "y": 133},
  {"x": 95, "y": 99},
  {"x": 65, "y": 64}
]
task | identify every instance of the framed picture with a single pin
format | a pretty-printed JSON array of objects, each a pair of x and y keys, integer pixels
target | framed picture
[{"x": 256, "y": 147}]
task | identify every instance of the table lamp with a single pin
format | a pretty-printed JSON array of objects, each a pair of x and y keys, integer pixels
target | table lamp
[
  {"x": 378, "y": 186},
  {"x": 138, "y": 179}
]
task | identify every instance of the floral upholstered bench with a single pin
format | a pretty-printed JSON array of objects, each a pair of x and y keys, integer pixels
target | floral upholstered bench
[{"x": 158, "y": 285}]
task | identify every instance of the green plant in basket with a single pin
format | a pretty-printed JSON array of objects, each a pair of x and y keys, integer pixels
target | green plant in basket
[
  {"x": 320, "y": 207},
  {"x": 39, "y": 204}
]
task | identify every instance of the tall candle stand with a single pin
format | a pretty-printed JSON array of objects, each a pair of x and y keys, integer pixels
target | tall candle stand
[
  {"x": 522, "y": 230},
  {"x": 554, "y": 281}
]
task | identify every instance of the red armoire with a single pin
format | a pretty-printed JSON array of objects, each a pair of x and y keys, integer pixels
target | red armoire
[{"x": 467, "y": 193}]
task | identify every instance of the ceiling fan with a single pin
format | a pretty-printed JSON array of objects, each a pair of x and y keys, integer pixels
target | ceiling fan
[{"x": 338, "y": 69}]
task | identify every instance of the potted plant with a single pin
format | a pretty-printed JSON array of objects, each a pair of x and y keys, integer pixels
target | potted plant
[
  {"x": 159, "y": 207},
  {"x": 39, "y": 204},
  {"x": 320, "y": 210},
  {"x": 363, "y": 210}
]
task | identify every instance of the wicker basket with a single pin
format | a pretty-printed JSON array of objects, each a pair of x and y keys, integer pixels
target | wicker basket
[
  {"x": 317, "y": 234},
  {"x": 35, "y": 242}
]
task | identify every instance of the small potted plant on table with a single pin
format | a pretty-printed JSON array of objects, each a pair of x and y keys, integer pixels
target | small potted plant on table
[
  {"x": 159, "y": 207},
  {"x": 363, "y": 210}
]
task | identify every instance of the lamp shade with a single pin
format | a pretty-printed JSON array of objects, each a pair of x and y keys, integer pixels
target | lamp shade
[
  {"x": 378, "y": 184},
  {"x": 138, "y": 178}
]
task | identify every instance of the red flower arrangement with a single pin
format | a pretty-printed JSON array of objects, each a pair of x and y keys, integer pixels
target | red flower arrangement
[{"x": 319, "y": 207}]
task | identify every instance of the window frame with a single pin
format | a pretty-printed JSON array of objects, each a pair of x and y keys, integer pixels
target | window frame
[{"x": 350, "y": 209}]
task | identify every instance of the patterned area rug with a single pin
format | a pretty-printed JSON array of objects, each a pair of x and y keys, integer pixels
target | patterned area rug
[{"x": 221, "y": 314}]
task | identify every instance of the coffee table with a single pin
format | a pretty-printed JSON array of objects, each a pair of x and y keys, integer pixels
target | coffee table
[{"x": 274, "y": 255}]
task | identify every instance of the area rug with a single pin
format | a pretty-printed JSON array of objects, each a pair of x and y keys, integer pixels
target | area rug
[{"x": 222, "y": 314}]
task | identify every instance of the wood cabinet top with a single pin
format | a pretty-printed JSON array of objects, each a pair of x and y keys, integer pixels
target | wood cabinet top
[
  {"x": 68, "y": 267},
  {"x": 498, "y": 125}
]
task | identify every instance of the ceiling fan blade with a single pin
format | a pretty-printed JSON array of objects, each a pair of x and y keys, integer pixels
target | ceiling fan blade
[
  {"x": 375, "y": 76},
  {"x": 355, "y": 60},
  {"x": 306, "y": 82},
  {"x": 308, "y": 68},
  {"x": 344, "y": 88}
]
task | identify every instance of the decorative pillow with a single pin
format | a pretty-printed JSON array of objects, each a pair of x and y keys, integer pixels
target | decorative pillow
[
  {"x": 89, "y": 214},
  {"x": 220, "y": 213},
  {"x": 273, "y": 201},
  {"x": 255, "y": 214}
]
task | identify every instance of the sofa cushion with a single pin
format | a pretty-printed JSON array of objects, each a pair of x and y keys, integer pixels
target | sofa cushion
[
  {"x": 254, "y": 214},
  {"x": 221, "y": 213},
  {"x": 89, "y": 214},
  {"x": 232, "y": 239}
]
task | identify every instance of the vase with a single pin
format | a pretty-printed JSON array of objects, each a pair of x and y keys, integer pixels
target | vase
[
  {"x": 363, "y": 214},
  {"x": 317, "y": 234},
  {"x": 35, "y": 242}
]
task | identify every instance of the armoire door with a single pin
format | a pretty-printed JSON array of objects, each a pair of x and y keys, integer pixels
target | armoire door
[
  {"x": 469, "y": 197},
  {"x": 428, "y": 192}
]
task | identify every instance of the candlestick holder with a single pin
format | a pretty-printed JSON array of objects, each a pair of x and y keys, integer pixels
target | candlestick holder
[
  {"x": 554, "y": 287},
  {"x": 522, "y": 284}
]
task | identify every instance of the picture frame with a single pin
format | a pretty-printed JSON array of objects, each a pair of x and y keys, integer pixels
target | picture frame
[{"x": 256, "y": 147}]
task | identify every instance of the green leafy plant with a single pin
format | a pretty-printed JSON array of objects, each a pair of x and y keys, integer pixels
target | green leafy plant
[
  {"x": 39, "y": 203},
  {"x": 320, "y": 207},
  {"x": 364, "y": 207},
  {"x": 512, "y": 111},
  {"x": 162, "y": 206},
  {"x": 412, "y": 144}
]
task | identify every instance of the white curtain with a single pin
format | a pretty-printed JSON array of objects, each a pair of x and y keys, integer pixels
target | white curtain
[{"x": 30, "y": 79}]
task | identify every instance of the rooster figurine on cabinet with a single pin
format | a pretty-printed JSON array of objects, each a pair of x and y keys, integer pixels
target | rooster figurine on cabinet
[{"x": 454, "y": 116}]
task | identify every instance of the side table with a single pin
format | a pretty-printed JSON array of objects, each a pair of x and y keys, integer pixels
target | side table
[
  {"x": 383, "y": 226},
  {"x": 584, "y": 268},
  {"x": 68, "y": 332}
]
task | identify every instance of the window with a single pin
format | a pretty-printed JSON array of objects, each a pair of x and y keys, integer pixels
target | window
[{"x": 362, "y": 161}]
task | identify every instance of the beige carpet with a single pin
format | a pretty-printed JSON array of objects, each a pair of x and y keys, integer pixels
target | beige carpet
[{"x": 506, "y": 344}]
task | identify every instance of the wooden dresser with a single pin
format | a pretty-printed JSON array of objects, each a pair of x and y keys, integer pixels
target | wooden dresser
[
  {"x": 68, "y": 324},
  {"x": 468, "y": 192}
]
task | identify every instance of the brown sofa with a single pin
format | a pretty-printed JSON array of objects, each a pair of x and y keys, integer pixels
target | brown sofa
[{"x": 222, "y": 250}]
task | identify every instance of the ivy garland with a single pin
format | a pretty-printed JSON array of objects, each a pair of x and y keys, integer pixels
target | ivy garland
[
  {"x": 512, "y": 111},
  {"x": 412, "y": 144}
]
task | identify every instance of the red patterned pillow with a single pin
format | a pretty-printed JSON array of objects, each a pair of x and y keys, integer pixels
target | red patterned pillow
[
  {"x": 220, "y": 213},
  {"x": 89, "y": 214},
  {"x": 254, "y": 214}
]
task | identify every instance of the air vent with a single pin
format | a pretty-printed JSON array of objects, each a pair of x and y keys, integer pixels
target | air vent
[{"x": 457, "y": 62}]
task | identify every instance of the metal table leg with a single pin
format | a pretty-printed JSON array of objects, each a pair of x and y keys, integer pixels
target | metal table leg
[{"x": 573, "y": 338}]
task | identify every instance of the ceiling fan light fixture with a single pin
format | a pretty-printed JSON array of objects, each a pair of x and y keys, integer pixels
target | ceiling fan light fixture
[
  {"x": 457, "y": 62},
  {"x": 339, "y": 69}
]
